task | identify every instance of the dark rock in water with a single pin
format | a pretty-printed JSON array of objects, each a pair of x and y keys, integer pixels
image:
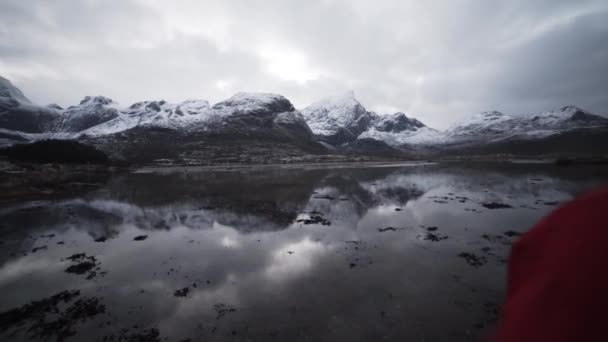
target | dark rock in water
[
  {"x": 81, "y": 268},
  {"x": 512, "y": 233},
  {"x": 315, "y": 219},
  {"x": 222, "y": 310},
  {"x": 551, "y": 203},
  {"x": 140, "y": 237},
  {"x": 398, "y": 209},
  {"x": 432, "y": 229},
  {"x": 387, "y": 229},
  {"x": 101, "y": 239},
  {"x": 472, "y": 259},
  {"x": 83, "y": 264},
  {"x": 49, "y": 318},
  {"x": 146, "y": 335},
  {"x": 77, "y": 256},
  {"x": 434, "y": 237},
  {"x": 17, "y": 316},
  {"x": 182, "y": 292},
  {"x": 327, "y": 197},
  {"x": 495, "y": 205},
  {"x": 41, "y": 248}
]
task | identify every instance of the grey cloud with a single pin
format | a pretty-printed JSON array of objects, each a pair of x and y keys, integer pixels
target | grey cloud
[{"x": 438, "y": 60}]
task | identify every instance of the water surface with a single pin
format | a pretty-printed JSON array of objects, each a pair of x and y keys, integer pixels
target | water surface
[{"x": 347, "y": 254}]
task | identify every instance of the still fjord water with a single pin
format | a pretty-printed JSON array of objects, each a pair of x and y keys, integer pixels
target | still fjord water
[{"x": 349, "y": 254}]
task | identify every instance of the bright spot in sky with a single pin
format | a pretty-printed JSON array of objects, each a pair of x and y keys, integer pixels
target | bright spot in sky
[
  {"x": 224, "y": 84},
  {"x": 288, "y": 64}
]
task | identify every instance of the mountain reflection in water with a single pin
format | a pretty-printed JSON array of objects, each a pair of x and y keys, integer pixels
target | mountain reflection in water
[{"x": 343, "y": 254}]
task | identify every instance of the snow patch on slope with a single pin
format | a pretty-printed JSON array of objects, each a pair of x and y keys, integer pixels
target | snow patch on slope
[
  {"x": 155, "y": 113},
  {"x": 498, "y": 126},
  {"x": 420, "y": 136},
  {"x": 254, "y": 102}
]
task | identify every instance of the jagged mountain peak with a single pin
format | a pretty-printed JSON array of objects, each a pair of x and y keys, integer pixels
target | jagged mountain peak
[
  {"x": 341, "y": 101},
  {"x": 102, "y": 100},
  {"x": 398, "y": 129},
  {"x": 491, "y": 115},
  {"x": 18, "y": 113},
  {"x": 396, "y": 122},
  {"x": 54, "y": 106},
  {"x": 571, "y": 109},
  {"x": 9, "y": 93},
  {"x": 338, "y": 119},
  {"x": 254, "y": 102}
]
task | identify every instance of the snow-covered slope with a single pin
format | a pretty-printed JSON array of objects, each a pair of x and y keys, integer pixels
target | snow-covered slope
[
  {"x": 91, "y": 112},
  {"x": 419, "y": 136},
  {"x": 491, "y": 126},
  {"x": 397, "y": 129},
  {"x": 341, "y": 119},
  {"x": 337, "y": 119},
  {"x": 255, "y": 111},
  {"x": 248, "y": 127},
  {"x": 243, "y": 110},
  {"x": 156, "y": 114},
  {"x": 396, "y": 123}
]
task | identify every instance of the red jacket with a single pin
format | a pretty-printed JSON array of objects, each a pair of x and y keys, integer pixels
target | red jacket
[{"x": 558, "y": 276}]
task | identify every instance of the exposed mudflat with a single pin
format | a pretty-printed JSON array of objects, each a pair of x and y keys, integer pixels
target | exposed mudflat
[{"x": 408, "y": 251}]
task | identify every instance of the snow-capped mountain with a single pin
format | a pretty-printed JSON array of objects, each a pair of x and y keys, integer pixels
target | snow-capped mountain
[
  {"x": 257, "y": 124},
  {"x": 396, "y": 123},
  {"x": 99, "y": 115},
  {"x": 156, "y": 114},
  {"x": 91, "y": 112},
  {"x": 259, "y": 111},
  {"x": 248, "y": 126},
  {"x": 339, "y": 119},
  {"x": 398, "y": 129},
  {"x": 493, "y": 126},
  {"x": 343, "y": 119}
]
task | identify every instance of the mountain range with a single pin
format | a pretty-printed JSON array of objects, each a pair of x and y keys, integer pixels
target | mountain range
[{"x": 262, "y": 127}]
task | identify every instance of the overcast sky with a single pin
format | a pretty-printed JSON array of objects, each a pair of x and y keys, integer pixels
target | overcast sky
[{"x": 436, "y": 60}]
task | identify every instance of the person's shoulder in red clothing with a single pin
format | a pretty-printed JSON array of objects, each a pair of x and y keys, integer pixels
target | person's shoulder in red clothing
[{"x": 558, "y": 276}]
